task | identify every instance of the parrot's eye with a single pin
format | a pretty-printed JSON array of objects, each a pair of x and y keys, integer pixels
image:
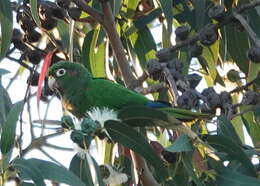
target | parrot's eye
[{"x": 60, "y": 72}]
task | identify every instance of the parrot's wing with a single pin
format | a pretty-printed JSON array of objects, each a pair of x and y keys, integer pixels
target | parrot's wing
[{"x": 106, "y": 93}]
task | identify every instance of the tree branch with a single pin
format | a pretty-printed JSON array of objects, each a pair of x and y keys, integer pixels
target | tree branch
[
  {"x": 110, "y": 27},
  {"x": 95, "y": 14}
]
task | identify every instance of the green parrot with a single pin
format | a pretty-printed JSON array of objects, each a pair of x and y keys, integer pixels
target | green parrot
[{"x": 80, "y": 92}]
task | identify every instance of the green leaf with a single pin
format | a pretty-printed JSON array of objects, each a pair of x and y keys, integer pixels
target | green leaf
[
  {"x": 63, "y": 29},
  {"x": 226, "y": 129},
  {"x": 200, "y": 13},
  {"x": 229, "y": 177},
  {"x": 81, "y": 168},
  {"x": 93, "y": 54},
  {"x": 237, "y": 45},
  {"x": 211, "y": 56},
  {"x": 144, "y": 45},
  {"x": 34, "y": 11},
  {"x": 5, "y": 104},
  {"x": 166, "y": 6},
  {"x": 182, "y": 144},
  {"x": 144, "y": 116},
  {"x": 142, "y": 22},
  {"x": 252, "y": 124},
  {"x": 51, "y": 171},
  {"x": 133, "y": 140},
  {"x": 9, "y": 128},
  {"x": 187, "y": 161},
  {"x": 234, "y": 151},
  {"x": 3, "y": 72},
  {"x": 131, "y": 7},
  {"x": 6, "y": 21},
  {"x": 28, "y": 170}
]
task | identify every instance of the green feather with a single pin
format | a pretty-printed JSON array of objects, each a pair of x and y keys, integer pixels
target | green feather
[{"x": 81, "y": 92}]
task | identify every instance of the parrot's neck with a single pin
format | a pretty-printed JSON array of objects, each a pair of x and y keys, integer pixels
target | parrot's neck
[{"x": 73, "y": 95}]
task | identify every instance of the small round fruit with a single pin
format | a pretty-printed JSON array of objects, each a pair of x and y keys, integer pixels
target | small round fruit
[
  {"x": 74, "y": 13},
  {"x": 233, "y": 75},
  {"x": 208, "y": 35},
  {"x": 32, "y": 36},
  {"x": 63, "y": 3},
  {"x": 217, "y": 12},
  {"x": 34, "y": 56},
  {"x": 195, "y": 50},
  {"x": 253, "y": 54},
  {"x": 154, "y": 69},
  {"x": 182, "y": 32}
]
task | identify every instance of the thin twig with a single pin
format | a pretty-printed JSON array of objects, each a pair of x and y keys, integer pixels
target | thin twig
[
  {"x": 238, "y": 89},
  {"x": 172, "y": 84},
  {"x": 92, "y": 12},
  {"x": 247, "y": 27}
]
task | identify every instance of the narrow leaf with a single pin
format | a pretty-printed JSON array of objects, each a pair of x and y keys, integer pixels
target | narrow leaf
[
  {"x": 226, "y": 128},
  {"x": 234, "y": 151},
  {"x": 27, "y": 170},
  {"x": 229, "y": 177},
  {"x": 182, "y": 144},
  {"x": 5, "y": 104},
  {"x": 52, "y": 171},
  {"x": 133, "y": 140},
  {"x": 80, "y": 167},
  {"x": 166, "y": 6},
  {"x": 6, "y": 21},
  {"x": 9, "y": 128},
  {"x": 34, "y": 11}
]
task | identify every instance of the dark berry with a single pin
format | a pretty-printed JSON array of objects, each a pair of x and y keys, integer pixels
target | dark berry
[
  {"x": 205, "y": 109},
  {"x": 67, "y": 122},
  {"x": 17, "y": 34},
  {"x": 217, "y": 12},
  {"x": 19, "y": 44},
  {"x": 175, "y": 64},
  {"x": 32, "y": 36},
  {"x": 59, "y": 13},
  {"x": 193, "y": 79},
  {"x": 188, "y": 100},
  {"x": 182, "y": 32},
  {"x": 225, "y": 98},
  {"x": 27, "y": 24},
  {"x": 195, "y": 50},
  {"x": 63, "y": 3},
  {"x": 74, "y": 13},
  {"x": 253, "y": 54},
  {"x": 164, "y": 55},
  {"x": 208, "y": 35},
  {"x": 34, "y": 56},
  {"x": 233, "y": 75},
  {"x": 49, "y": 24},
  {"x": 251, "y": 98},
  {"x": 213, "y": 99},
  {"x": 33, "y": 79},
  {"x": 170, "y": 157},
  {"x": 154, "y": 69},
  {"x": 176, "y": 75}
]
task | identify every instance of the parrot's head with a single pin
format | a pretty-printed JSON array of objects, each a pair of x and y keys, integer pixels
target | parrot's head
[{"x": 65, "y": 75}]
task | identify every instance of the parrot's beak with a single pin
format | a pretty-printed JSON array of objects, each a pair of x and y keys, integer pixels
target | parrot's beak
[{"x": 52, "y": 83}]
